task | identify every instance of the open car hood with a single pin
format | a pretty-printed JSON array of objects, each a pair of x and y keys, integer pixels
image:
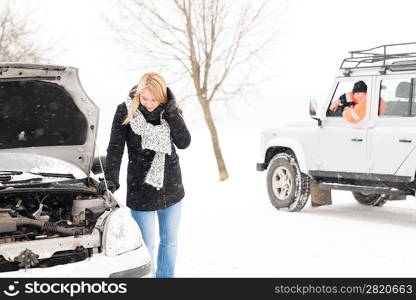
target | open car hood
[{"x": 45, "y": 112}]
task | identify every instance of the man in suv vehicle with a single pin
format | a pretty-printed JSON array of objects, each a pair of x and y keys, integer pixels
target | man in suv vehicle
[
  {"x": 304, "y": 158},
  {"x": 352, "y": 104}
]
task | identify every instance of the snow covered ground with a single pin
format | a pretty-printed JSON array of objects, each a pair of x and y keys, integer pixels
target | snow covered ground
[{"x": 230, "y": 229}]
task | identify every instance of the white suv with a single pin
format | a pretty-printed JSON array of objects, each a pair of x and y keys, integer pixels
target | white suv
[{"x": 374, "y": 158}]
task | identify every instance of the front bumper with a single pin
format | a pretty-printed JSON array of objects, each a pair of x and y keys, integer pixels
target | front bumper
[
  {"x": 134, "y": 263},
  {"x": 139, "y": 272},
  {"x": 261, "y": 167}
]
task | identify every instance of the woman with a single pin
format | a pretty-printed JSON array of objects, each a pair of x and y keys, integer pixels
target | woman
[{"x": 151, "y": 124}]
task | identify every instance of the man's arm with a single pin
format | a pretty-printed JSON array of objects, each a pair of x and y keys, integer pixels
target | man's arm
[
  {"x": 356, "y": 113},
  {"x": 344, "y": 100}
]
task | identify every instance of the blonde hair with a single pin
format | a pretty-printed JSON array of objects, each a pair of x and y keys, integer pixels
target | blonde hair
[{"x": 155, "y": 83}]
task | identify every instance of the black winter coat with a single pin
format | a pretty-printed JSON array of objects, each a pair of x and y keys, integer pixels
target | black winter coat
[{"x": 140, "y": 195}]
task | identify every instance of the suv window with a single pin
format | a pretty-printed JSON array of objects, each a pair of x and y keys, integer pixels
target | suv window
[
  {"x": 399, "y": 98},
  {"x": 342, "y": 88}
]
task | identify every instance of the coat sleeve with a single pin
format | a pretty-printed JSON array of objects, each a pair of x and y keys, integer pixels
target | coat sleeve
[
  {"x": 178, "y": 130},
  {"x": 115, "y": 147}
]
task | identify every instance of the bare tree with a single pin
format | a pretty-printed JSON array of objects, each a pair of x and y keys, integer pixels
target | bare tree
[
  {"x": 210, "y": 42},
  {"x": 17, "y": 37}
]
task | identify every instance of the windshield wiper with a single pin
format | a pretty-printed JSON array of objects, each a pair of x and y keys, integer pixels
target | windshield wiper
[
  {"x": 9, "y": 181},
  {"x": 44, "y": 174},
  {"x": 10, "y": 173},
  {"x": 53, "y": 174},
  {"x": 36, "y": 183},
  {"x": 5, "y": 178}
]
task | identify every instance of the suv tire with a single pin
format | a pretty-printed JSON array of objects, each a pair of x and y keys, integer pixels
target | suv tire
[
  {"x": 287, "y": 186},
  {"x": 371, "y": 199}
]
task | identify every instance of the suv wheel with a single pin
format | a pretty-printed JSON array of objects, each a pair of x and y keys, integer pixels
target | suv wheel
[
  {"x": 287, "y": 186},
  {"x": 371, "y": 199}
]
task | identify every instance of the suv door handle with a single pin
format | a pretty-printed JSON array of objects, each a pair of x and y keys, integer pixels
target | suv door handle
[
  {"x": 356, "y": 140},
  {"x": 405, "y": 141}
]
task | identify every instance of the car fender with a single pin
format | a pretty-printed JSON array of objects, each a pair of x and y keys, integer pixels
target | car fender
[{"x": 293, "y": 145}]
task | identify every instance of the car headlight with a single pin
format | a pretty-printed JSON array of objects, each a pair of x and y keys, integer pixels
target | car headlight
[{"x": 121, "y": 233}]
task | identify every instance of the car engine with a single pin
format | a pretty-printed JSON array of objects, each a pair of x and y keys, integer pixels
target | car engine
[{"x": 32, "y": 216}]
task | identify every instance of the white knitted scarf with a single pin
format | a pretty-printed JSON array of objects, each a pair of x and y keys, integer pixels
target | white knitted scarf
[{"x": 156, "y": 138}]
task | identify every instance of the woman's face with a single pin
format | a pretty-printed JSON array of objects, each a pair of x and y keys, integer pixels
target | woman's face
[{"x": 148, "y": 101}]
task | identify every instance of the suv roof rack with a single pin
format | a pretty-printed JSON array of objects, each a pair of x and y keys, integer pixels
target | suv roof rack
[{"x": 384, "y": 57}]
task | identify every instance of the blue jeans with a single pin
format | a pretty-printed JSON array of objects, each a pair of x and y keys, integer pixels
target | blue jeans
[{"x": 168, "y": 219}]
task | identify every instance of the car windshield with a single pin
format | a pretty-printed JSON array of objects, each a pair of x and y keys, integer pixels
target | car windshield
[
  {"x": 35, "y": 164},
  {"x": 30, "y": 178}
]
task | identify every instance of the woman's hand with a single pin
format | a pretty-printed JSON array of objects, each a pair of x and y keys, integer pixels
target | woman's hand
[
  {"x": 112, "y": 186},
  {"x": 178, "y": 130},
  {"x": 171, "y": 105}
]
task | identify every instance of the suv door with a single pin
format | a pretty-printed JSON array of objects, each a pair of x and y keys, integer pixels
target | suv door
[
  {"x": 343, "y": 145},
  {"x": 392, "y": 136}
]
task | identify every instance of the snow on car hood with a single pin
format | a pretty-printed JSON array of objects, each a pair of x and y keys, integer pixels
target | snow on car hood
[
  {"x": 28, "y": 162},
  {"x": 45, "y": 114}
]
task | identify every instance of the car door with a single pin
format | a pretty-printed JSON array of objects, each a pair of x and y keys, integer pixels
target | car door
[
  {"x": 343, "y": 145},
  {"x": 392, "y": 136}
]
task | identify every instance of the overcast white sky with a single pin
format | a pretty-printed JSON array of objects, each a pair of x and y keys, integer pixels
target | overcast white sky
[{"x": 315, "y": 37}]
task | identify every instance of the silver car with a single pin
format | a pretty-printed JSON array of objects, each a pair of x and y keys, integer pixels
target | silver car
[{"x": 53, "y": 223}]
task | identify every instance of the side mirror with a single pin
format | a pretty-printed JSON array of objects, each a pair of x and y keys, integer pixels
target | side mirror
[
  {"x": 96, "y": 166},
  {"x": 312, "y": 111},
  {"x": 312, "y": 107}
]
